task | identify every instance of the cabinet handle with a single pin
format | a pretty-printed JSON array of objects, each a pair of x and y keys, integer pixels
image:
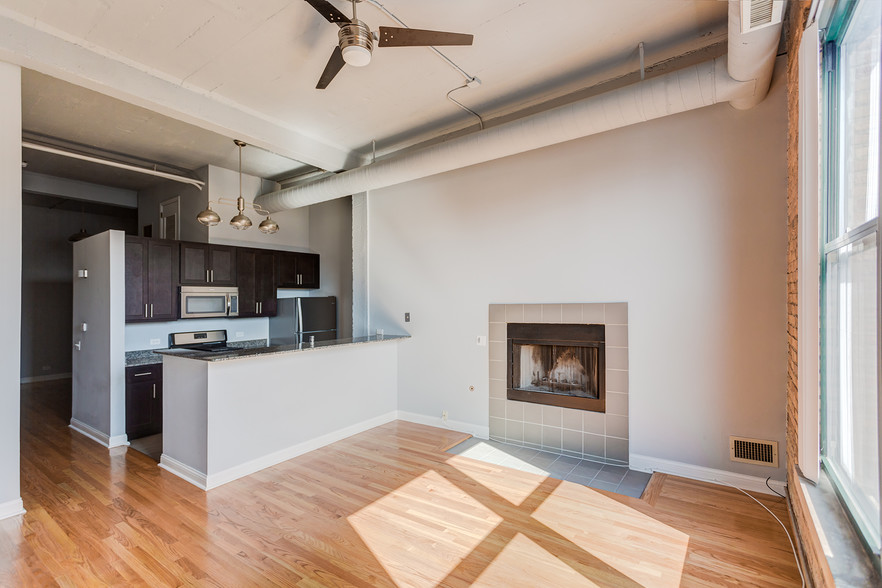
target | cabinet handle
[
  {"x": 259, "y": 304},
  {"x": 145, "y": 311},
  {"x": 207, "y": 278},
  {"x": 151, "y": 310},
  {"x": 144, "y": 374},
  {"x": 212, "y": 276},
  {"x": 154, "y": 391}
]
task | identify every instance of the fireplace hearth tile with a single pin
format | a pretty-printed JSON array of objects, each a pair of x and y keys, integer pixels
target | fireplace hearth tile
[
  {"x": 497, "y": 428},
  {"x": 617, "y": 381},
  {"x": 497, "y": 332},
  {"x": 497, "y": 370},
  {"x": 514, "y": 313},
  {"x": 497, "y": 313},
  {"x": 616, "y": 358},
  {"x": 593, "y": 445},
  {"x": 571, "y": 313},
  {"x": 616, "y": 313},
  {"x": 572, "y": 418},
  {"x": 551, "y": 313},
  {"x": 497, "y": 389},
  {"x": 532, "y": 412},
  {"x": 551, "y": 415},
  {"x": 533, "y": 433},
  {"x": 571, "y": 441},
  {"x": 497, "y": 408},
  {"x": 593, "y": 314},
  {"x": 532, "y": 313},
  {"x": 617, "y": 426},
  {"x": 551, "y": 437},
  {"x": 514, "y": 410},
  {"x": 594, "y": 422},
  {"x": 497, "y": 351},
  {"x": 514, "y": 431},
  {"x": 616, "y": 403},
  {"x": 617, "y": 449},
  {"x": 553, "y": 465},
  {"x": 617, "y": 335}
]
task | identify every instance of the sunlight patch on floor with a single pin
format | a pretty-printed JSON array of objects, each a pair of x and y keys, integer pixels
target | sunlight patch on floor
[
  {"x": 404, "y": 528},
  {"x": 522, "y": 559},
  {"x": 582, "y": 514},
  {"x": 515, "y": 489}
]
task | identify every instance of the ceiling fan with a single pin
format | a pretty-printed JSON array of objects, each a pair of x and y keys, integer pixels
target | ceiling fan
[{"x": 357, "y": 41}]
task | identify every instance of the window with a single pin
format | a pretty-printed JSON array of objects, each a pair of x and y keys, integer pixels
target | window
[{"x": 850, "y": 444}]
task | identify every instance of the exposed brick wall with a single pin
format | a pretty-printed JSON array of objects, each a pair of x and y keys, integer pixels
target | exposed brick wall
[{"x": 817, "y": 572}]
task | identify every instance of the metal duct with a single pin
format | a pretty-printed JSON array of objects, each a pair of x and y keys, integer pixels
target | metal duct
[{"x": 693, "y": 87}]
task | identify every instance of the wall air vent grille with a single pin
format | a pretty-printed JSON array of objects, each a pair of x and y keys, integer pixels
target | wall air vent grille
[
  {"x": 755, "y": 451},
  {"x": 758, "y": 14}
]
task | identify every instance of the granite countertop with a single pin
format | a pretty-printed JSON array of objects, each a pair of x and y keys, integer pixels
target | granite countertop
[
  {"x": 151, "y": 356},
  {"x": 267, "y": 349}
]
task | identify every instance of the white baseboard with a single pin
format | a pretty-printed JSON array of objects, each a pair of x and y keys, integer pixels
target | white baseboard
[
  {"x": 183, "y": 471},
  {"x": 11, "y": 508},
  {"x": 46, "y": 378},
  {"x": 96, "y": 435},
  {"x": 209, "y": 481},
  {"x": 479, "y": 431},
  {"x": 645, "y": 463}
]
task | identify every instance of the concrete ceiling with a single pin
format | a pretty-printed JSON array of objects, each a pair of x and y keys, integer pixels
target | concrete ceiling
[{"x": 174, "y": 82}]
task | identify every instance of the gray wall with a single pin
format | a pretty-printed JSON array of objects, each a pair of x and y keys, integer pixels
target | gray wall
[
  {"x": 330, "y": 235},
  {"x": 193, "y": 201},
  {"x": 47, "y": 284},
  {"x": 10, "y": 288},
  {"x": 99, "y": 367},
  {"x": 683, "y": 218}
]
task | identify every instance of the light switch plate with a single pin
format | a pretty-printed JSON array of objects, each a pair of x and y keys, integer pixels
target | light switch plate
[
  {"x": 481, "y": 340},
  {"x": 240, "y": 334},
  {"x": 155, "y": 342}
]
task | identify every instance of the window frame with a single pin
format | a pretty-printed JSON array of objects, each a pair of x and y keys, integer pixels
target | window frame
[{"x": 834, "y": 30}]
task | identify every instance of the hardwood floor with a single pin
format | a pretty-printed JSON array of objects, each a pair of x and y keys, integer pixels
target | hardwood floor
[{"x": 384, "y": 508}]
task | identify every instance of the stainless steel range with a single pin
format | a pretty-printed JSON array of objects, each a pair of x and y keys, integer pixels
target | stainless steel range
[{"x": 215, "y": 341}]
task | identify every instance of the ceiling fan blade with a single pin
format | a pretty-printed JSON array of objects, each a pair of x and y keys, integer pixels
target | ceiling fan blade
[
  {"x": 401, "y": 37},
  {"x": 335, "y": 64},
  {"x": 327, "y": 10}
]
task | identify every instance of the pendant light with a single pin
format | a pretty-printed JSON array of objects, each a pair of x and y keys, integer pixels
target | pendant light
[{"x": 210, "y": 218}]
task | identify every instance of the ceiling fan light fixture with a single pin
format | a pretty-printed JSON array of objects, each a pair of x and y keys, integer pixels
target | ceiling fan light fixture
[{"x": 356, "y": 56}]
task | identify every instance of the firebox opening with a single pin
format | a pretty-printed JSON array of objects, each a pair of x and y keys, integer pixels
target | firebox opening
[{"x": 559, "y": 365}]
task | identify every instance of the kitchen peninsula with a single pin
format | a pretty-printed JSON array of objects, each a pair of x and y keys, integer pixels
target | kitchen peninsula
[{"x": 227, "y": 415}]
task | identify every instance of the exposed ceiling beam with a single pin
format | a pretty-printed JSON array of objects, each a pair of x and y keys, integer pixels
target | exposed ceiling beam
[
  {"x": 31, "y": 44},
  {"x": 34, "y": 183}
]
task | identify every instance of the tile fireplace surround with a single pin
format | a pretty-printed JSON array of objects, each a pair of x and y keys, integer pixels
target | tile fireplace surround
[{"x": 601, "y": 437}]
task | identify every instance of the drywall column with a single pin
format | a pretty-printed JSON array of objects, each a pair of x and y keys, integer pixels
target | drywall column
[
  {"x": 98, "y": 365},
  {"x": 360, "y": 302},
  {"x": 10, "y": 289}
]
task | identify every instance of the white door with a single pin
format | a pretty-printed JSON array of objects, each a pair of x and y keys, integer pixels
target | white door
[{"x": 169, "y": 216}]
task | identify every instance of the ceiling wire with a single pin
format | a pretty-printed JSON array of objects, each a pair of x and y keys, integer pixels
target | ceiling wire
[
  {"x": 469, "y": 78},
  {"x": 463, "y": 106}
]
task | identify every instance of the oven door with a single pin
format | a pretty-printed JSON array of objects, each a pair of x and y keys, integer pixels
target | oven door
[{"x": 204, "y": 304}]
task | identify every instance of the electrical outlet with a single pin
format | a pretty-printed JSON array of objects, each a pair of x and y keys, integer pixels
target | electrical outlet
[
  {"x": 155, "y": 342},
  {"x": 443, "y": 416},
  {"x": 407, "y": 317}
]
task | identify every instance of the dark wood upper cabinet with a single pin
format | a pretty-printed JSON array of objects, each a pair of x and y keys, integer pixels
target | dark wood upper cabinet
[
  {"x": 256, "y": 270},
  {"x": 203, "y": 264},
  {"x": 298, "y": 270},
  {"x": 151, "y": 279}
]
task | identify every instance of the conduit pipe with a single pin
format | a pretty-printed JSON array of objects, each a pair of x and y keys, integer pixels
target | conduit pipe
[{"x": 693, "y": 87}]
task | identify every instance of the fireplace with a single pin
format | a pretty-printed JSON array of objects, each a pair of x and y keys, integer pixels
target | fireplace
[{"x": 557, "y": 364}]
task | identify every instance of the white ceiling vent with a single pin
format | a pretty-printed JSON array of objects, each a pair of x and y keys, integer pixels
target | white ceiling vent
[
  {"x": 759, "y": 14},
  {"x": 755, "y": 451}
]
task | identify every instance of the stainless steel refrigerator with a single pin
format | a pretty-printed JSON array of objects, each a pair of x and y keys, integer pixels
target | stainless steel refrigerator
[{"x": 298, "y": 319}]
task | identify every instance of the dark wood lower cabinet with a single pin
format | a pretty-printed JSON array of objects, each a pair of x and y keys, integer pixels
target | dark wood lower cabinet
[{"x": 143, "y": 400}]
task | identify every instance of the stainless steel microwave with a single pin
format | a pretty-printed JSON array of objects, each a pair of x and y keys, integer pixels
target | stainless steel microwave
[{"x": 209, "y": 301}]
